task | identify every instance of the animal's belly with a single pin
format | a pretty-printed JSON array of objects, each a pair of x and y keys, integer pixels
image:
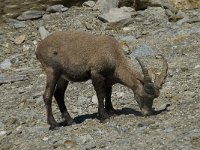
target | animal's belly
[{"x": 76, "y": 77}]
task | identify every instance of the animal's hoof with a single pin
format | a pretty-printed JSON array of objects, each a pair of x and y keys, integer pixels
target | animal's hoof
[
  {"x": 54, "y": 125},
  {"x": 112, "y": 112},
  {"x": 53, "y": 128},
  {"x": 103, "y": 117},
  {"x": 104, "y": 120},
  {"x": 71, "y": 122},
  {"x": 67, "y": 123}
]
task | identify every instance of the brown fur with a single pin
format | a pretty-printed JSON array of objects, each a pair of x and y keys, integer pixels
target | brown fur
[{"x": 79, "y": 56}]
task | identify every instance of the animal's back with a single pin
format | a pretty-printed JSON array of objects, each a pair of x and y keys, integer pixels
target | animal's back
[
  {"x": 82, "y": 45},
  {"x": 79, "y": 52}
]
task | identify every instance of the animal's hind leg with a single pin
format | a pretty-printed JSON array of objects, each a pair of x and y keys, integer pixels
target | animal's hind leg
[
  {"x": 52, "y": 78},
  {"x": 59, "y": 95},
  {"x": 108, "y": 104}
]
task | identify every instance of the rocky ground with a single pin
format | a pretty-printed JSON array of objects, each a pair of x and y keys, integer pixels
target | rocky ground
[{"x": 23, "y": 117}]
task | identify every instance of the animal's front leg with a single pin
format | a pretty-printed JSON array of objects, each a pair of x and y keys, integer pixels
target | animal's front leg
[
  {"x": 98, "y": 82},
  {"x": 108, "y": 104}
]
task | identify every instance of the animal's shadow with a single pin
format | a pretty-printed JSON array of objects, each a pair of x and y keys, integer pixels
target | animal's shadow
[{"x": 123, "y": 111}]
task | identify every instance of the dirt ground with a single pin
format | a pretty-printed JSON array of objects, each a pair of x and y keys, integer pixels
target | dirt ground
[{"x": 22, "y": 112}]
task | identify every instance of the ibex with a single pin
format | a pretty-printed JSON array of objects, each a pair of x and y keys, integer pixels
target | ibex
[{"x": 79, "y": 56}]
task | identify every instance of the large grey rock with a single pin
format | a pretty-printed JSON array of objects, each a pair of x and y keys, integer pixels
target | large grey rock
[
  {"x": 143, "y": 4},
  {"x": 154, "y": 15},
  {"x": 30, "y": 15},
  {"x": 105, "y": 5},
  {"x": 115, "y": 15},
  {"x": 57, "y": 8}
]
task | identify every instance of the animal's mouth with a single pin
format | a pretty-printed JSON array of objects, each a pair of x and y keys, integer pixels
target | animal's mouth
[
  {"x": 154, "y": 111},
  {"x": 147, "y": 112}
]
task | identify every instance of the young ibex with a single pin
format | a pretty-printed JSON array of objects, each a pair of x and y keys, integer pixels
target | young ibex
[{"x": 79, "y": 56}]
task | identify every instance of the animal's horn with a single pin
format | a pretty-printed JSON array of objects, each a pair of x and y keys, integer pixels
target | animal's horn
[
  {"x": 160, "y": 80},
  {"x": 145, "y": 71}
]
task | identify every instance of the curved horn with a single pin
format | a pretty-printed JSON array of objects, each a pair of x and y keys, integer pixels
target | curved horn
[
  {"x": 160, "y": 80},
  {"x": 145, "y": 71}
]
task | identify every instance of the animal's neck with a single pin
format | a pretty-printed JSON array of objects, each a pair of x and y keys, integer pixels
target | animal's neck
[{"x": 127, "y": 76}]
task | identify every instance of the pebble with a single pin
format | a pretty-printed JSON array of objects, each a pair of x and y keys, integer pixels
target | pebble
[
  {"x": 56, "y": 8},
  {"x": 82, "y": 100},
  {"x": 46, "y": 138},
  {"x": 94, "y": 99},
  {"x": 19, "y": 24},
  {"x": 20, "y": 39},
  {"x": 43, "y": 32},
  {"x": 85, "y": 138},
  {"x": 89, "y": 4},
  {"x": 2, "y": 133},
  {"x": 142, "y": 51},
  {"x": 6, "y": 64},
  {"x": 197, "y": 66}
]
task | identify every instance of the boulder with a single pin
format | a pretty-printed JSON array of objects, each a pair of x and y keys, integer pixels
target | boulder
[
  {"x": 89, "y": 4},
  {"x": 56, "y": 8},
  {"x": 30, "y": 15},
  {"x": 105, "y": 5},
  {"x": 115, "y": 15}
]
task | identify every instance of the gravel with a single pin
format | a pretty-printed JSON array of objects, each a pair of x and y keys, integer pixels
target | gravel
[{"x": 23, "y": 116}]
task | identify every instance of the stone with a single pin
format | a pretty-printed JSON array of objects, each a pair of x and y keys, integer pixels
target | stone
[
  {"x": 8, "y": 79},
  {"x": 85, "y": 138},
  {"x": 186, "y": 4},
  {"x": 70, "y": 144},
  {"x": 115, "y": 15},
  {"x": 197, "y": 66},
  {"x": 2, "y": 133},
  {"x": 2, "y": 125},
  {"x": 82, "y": 100},
  {"x": 105, "y": 5},
  {"x": 6, "y": 64},
  {"x": 182, "y": 21},
  {"x": 94, "y": 99},
  {"x": 20, "y": 39},
  {"x": 56, "y": 8},
  {"x": 89, "y": 4},
  {"x": 19, "y": 24},
  {"x": 43, "y": 32},
  {"x": 31, "y": 15},
  {"x": 155, "y": 14},
  {"x": 143, "y": 50}
]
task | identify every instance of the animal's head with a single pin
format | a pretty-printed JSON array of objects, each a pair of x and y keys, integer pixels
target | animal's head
[{"x": 149, "y": 90}]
